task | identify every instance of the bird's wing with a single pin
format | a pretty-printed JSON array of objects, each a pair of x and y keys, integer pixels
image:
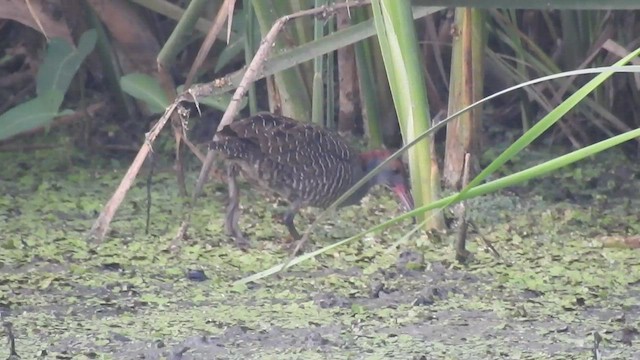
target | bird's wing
[{"x": 286, "y": 141}]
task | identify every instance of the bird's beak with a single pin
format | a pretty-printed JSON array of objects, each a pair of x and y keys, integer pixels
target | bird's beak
[{"x": 403, "y": 193}]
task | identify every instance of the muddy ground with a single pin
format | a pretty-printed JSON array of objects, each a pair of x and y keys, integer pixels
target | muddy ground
[{"x": 556, "y": 287}]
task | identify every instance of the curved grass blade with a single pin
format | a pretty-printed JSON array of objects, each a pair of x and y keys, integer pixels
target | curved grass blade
[
  {"x": 470, "y": 190},
  {"x": 510, "y": 180},
  {"x": 62, "y": 61}
]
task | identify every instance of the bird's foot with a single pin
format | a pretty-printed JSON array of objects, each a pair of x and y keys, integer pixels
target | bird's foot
[
  {"x": 232, "y": 229},
  {"x": 242, "y": 242}
]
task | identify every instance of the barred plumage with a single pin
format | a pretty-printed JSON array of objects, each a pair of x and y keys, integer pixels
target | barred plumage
[{"x": 305, "y": 164}]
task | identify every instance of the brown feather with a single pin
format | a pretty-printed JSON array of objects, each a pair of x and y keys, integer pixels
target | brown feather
[
  {"x": 306, "y": 164},
  {"x": 300, "y": 161}
]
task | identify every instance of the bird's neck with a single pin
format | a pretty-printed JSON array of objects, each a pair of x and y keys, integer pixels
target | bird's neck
[{"x": 367, "y": 161}]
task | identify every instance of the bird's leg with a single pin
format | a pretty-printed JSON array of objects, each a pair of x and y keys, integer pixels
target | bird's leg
[
  {"x": 233, "y": 209},
  {"x": 288, "y": 219}
]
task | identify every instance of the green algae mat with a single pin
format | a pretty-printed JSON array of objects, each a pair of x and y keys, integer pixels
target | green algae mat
[{"x": 555, "y": 291}]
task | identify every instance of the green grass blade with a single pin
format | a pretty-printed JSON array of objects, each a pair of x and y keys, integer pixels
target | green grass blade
[
  {"x": 510, "y": 180},
  {"x": 477, "y": 190},
  {"x": 62, "y": 61}
]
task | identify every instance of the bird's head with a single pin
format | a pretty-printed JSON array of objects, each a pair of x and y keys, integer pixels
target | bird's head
[{"x": 393, "y": 175}]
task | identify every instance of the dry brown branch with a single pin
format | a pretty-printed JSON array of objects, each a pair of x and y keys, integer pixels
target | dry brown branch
[
  {"x": 101, "y": 225},
  {"x": 254, "y": 68},
  {"x": 180, "y": 133},
  {"x": 348, "y": 90},
  {"x": 225, "y": 12},
  {"x": 462, "y": 254},
  {"x": 201, "y": 90}
]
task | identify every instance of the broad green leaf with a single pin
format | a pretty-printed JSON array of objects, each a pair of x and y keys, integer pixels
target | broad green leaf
[
  {"x": 400, "y": 52},
  {"x": 280, "y": 61},
  {"x": 219, "y": 101},
  {"x": 474, "y": 189},
  {"x": 62, "y": 61},
  {"x": 145, "y": 88},
  {"x": 31, "y": 114}
]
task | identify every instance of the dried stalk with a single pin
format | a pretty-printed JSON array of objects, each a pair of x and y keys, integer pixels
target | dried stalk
[
  {"x": 253, "y": 70},
  {"x": 101, "y": 225}
]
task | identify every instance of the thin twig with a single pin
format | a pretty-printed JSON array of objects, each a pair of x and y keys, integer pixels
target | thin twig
[
  {"x": 462, "y": 254},
  {"x": 101, "y": 225},
  {"x": 253, "y": 70},
  {"x": 152, "y": 165},
  {"x": 8, "y": 328},
  {"x": 225, "y": 12}
]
